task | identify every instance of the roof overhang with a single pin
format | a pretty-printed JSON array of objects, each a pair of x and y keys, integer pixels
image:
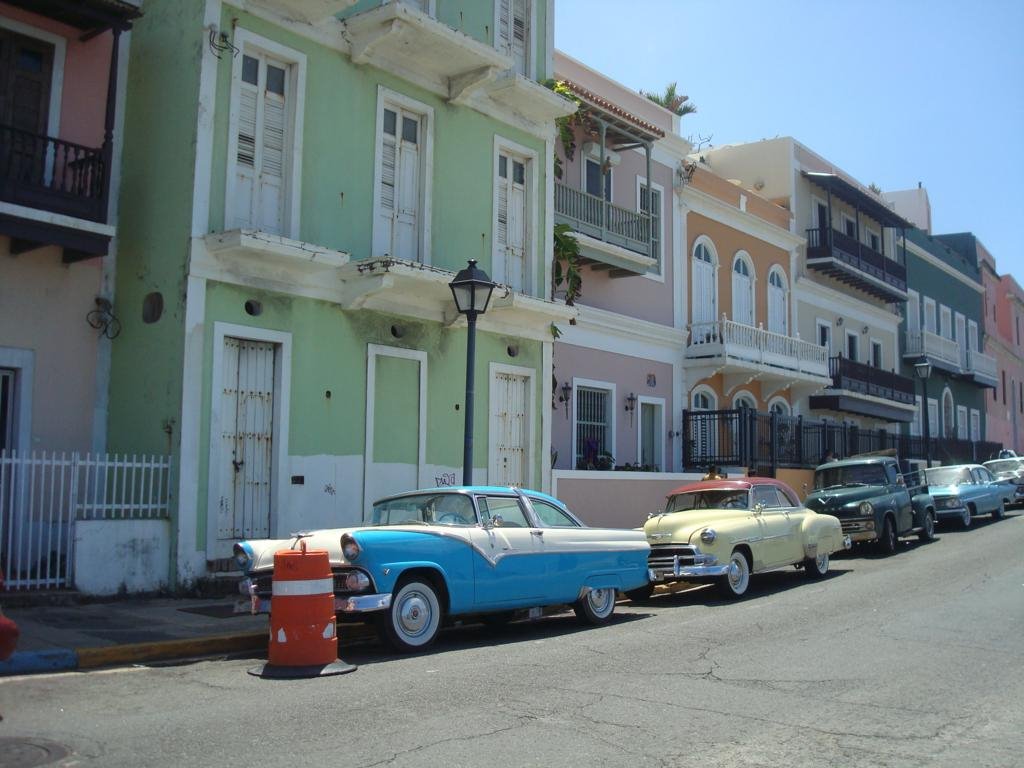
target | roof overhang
[
  {"x": 863, "y": 405},
  {"x": 623, "y": 128},
  {"x": 858, "y": 198},
  {"x": 90, "y": 16}
]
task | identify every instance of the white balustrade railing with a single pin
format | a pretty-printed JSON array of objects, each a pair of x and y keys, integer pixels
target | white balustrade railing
[
  {"x": 934, "y": 346},
  {"x": 756, "y": 345},
  {"x": 982, "y": 364}
]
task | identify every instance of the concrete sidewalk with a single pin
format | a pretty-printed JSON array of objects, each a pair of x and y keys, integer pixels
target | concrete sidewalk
[{"x": 91, "y": 635}]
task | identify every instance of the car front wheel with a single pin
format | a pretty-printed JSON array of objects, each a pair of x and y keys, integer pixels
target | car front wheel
[
  {"x": 887, "y": 541},
  {"x": 414, "y": 619},
  {"x": 596, "y": 607},
  {"x": 928, "y": 529},
  {"x": 817, "y": 567},
  {"x": 736, "y": 580},
  {"x": 965, "y": 518},
  {"x": 999, "y": 512}
]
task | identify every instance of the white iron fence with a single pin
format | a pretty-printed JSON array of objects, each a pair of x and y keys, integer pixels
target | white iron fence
[{"x": 42, "y": 494}]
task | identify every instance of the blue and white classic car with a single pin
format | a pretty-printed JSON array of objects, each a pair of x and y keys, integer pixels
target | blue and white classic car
[
  {"x": 426, "y": 555},
  {"x": 963, "y": 491}
]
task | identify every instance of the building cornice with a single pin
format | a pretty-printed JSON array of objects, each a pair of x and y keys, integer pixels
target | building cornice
[
  {"x": 829, "y": 298},
  {"x": 711, "y": 207},
  {"x": 921, "y": 253}
]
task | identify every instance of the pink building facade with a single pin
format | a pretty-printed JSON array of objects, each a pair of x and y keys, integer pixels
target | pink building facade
[{"x": 1004, "y": 340}]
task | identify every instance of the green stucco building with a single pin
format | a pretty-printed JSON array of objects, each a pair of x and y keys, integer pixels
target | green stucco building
[{"x": 301, "y": 181}]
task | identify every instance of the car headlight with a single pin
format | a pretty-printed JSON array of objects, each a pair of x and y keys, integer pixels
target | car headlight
[
  {"x": 949, "y": 503},
  {"x": 708, "y": 536},
  {"x": 243, "y": 556},
  {"x": 866, "y": 508},
  {"x": 349, "y": 547}
]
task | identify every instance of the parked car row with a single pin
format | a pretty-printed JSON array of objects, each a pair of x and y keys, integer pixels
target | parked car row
[{"x": 429, "y": 555}]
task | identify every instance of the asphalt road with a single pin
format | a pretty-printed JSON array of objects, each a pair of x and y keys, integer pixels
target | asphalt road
[{"x": 913, "y": 660}]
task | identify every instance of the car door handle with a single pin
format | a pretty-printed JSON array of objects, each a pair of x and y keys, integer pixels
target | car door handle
[{"x": 537, "y": 533}]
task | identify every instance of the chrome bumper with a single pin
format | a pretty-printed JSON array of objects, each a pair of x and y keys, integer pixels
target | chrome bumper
[
  {"x": 679, "y": 571},
  {"x": 356, "y": 604},
  {"x": 362, "y": 603},
  {"x": 949, "y": 512}
]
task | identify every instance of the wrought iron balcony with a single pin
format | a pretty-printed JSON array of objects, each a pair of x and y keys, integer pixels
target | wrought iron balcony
[
  {"x": 942, "y": 352},
  {"x": 619, "y": 227},
  {"x": 837, "y": 254},
  {"x": 866, "y": 391},
  {"x": 54, "y": 175},
  {"x": 746, "y": 346}
]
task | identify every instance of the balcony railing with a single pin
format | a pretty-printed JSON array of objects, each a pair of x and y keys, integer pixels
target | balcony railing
[
  {"x": 766, "y": 441},
  {"x": 756, "y": 345},
  {"x": 858, "y": 258},
  {"x": 598, "y": 218},
  {"x": 53, "y": 175},
  {"x": 865, "y": 380},
  {"x": 982, "y": 365},
  {"x": 945, "y": 352}
]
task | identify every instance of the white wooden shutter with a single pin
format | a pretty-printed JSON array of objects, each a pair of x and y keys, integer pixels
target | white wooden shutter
[
  {"x": 703, "y": 292},
  {"x": 245, "y": 157},
  {"x": 271, "y": 177},
  {"x": 262, "y": 137},
  {"x": 408, "y": 199},
  {"x": 510, "y": 234},
  {"x": 514, "y": 32},
  {"x": 777, "y": 320},
  {"x": 397, "y": 230},
  {"x": 742, "y": 311}
]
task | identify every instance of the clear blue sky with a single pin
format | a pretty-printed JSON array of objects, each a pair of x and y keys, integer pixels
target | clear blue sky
[{"x": 891, "y": 92}]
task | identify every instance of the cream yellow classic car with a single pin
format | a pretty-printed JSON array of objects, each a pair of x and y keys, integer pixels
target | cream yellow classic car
[{"x": 725, "y": 530}]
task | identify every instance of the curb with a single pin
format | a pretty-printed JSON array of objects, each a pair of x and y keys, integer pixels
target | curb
[{"x": 84, "y": 659}]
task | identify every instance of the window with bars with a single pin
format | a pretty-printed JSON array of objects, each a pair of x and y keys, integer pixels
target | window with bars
[{"x": 593, "y": 428}]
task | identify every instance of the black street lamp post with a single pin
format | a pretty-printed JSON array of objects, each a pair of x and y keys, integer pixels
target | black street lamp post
[
  {"x": 471, "y": 289},
  {"x": 923, "y": 369}
]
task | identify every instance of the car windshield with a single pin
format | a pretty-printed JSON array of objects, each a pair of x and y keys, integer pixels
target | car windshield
[
  {"x": 849, "y": 476},
  {"x": 727, "y": 499},
  {"x": 1004, "y": 465},
  {"x": 948, "y": 475},
  {"x": 424, "y": 509}
]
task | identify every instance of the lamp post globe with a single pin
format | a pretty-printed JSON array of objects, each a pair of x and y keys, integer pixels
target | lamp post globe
[{"x": 471, "y": 289}]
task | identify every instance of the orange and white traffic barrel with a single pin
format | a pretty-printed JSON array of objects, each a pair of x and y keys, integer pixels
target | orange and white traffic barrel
[{"x": 303, "y": 626}]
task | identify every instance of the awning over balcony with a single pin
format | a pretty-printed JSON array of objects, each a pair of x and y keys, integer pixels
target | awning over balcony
[
  {"x": 857, "y": 198},
  {"x": 867, "y": 391},
  {"x": 622, "y": 126},
  {"x": 91, "y": 16}
]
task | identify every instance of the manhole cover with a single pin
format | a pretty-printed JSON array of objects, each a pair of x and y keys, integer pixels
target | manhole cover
[{"x": 28, "y": 753}]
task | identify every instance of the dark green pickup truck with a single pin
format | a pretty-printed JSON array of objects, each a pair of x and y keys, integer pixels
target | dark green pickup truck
[{"x": 873, "y": 501}]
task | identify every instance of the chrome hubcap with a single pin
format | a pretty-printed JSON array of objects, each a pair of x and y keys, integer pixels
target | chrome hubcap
[
  {"x": 599, "y": 600},
  {"x": 414, "y": 614},
  {"x": 737, "y": 573},
  {"x": 822, "y": 562}
]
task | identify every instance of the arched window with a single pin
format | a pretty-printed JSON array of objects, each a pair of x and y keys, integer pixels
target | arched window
[
  {"x": 703, "y": 429},
  {"x": 705, "y": 290},
  {"x": 778, "y": 301},
  {"x": 704, "y": 400},
  {"x": 779, "y": 407},
  {"x": 744, "y": 400},
  {"x": 742, "y": 289},
  {"x": 948, "y": 411}
]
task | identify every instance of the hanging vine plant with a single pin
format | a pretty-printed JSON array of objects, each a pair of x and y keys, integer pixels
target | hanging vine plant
[
  {"x": 566, "y": 271},
  {"x": 566, "y": 125}
]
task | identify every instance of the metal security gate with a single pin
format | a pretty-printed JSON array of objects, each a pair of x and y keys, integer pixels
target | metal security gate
[
  {"x": 43, "y": 494},
  {"x": 247, "y": 441},
  {"x": 510, "y": 457}
]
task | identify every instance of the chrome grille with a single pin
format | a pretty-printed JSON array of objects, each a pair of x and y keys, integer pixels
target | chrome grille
[
  {"x": 663, "y": 555},
  {"x": 264, "y": 583},
  {"x": 856, "y": 526}
]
